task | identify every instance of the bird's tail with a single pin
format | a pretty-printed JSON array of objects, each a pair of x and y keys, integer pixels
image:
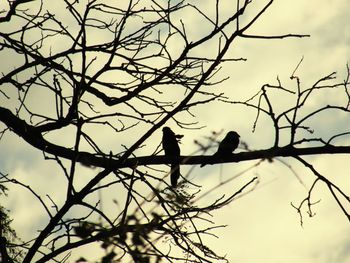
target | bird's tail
[{"x": 174, "y": 174}]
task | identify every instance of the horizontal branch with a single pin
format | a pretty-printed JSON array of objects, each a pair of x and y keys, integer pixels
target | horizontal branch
[
  {"x": 31, "y": 135},
  {"x": 269, "y": 154},
  {"x": 275, "y": 36}
]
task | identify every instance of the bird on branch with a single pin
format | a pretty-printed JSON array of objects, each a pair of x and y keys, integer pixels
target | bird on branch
[
  {"x": 171, "y": 149},
  {"x": 227, "y": 145}
]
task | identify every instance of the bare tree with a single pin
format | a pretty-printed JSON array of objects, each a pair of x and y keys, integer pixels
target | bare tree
[{"x": 128, "y": 69}]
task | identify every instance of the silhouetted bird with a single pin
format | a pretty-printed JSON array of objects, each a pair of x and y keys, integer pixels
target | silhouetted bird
[
  {"x": 171, "y": 149},
  {"x": 227, "y": 145}
]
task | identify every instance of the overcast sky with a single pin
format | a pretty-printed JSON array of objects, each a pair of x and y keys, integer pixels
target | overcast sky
[{"x": 262, "y": 226}]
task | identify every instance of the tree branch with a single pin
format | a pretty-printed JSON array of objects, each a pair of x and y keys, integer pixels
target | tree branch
[
  {"x": 29, "y": 134},
  {"x": 12, "y": 11}
]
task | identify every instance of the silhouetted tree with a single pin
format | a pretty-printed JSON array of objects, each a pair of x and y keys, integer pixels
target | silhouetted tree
[{"x": 76, "y": 69}]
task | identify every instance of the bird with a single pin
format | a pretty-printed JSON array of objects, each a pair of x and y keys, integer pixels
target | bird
[
  {"x": 227, "y": 145},
  {"x": 171, "y": 149}
]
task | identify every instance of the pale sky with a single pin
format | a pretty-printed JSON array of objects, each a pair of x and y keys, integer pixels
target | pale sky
[{"x": 261, "y": 226}]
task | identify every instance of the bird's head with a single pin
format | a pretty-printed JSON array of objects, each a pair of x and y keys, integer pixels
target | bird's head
[
  {"x": 166, "y": 129},
  {"x": 233, "y": 134}
]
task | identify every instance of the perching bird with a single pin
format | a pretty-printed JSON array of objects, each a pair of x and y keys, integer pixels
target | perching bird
[
  {"x": 171, "y": 149},
  {"x": 227, "y": 145}
]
